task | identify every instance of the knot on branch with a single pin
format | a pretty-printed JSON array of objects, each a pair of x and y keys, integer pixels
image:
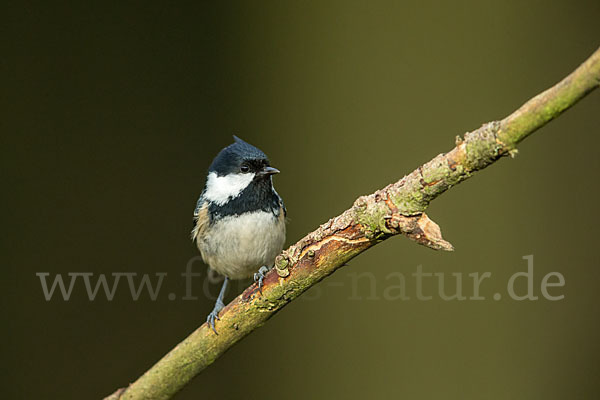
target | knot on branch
[
  {"x": 380, "y": 217},
  {"x": 282, "y": 263},
  {"x": 421, "y": 229}
]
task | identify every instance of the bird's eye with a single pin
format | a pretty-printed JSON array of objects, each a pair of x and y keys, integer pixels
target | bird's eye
[{"x": 244, "y": 168}]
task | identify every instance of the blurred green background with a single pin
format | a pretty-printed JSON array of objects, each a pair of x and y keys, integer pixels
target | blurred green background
[{"x": 111, "y": 115}]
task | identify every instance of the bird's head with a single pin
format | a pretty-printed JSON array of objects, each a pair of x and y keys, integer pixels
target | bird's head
[{"x": 234, "y": 168}]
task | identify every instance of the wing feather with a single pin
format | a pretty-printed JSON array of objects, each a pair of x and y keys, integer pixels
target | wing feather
[{"x": 201, "y": 219}]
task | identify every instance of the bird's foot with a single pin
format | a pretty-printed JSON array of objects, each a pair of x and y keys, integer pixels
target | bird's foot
[
  {"x": 214, "y": 315},
  {"x": 259, "y": 276}
]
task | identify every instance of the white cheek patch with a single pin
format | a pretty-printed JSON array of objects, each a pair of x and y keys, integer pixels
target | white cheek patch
[{"x": 220, "y": 188}]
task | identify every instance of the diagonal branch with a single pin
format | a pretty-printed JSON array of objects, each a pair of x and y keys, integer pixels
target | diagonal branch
[{"x": 396, "y": 209}]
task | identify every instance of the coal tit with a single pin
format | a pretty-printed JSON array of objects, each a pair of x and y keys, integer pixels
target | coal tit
[{"x": 239, "y": 220}]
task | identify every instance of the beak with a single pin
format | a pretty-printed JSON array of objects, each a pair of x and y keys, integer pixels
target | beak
[{"x": 269, "y": 171}]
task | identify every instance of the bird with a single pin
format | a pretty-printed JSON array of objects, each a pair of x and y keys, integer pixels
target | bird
[{"x": 239, "y": 219}]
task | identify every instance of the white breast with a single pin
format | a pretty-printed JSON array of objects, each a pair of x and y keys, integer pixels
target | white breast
[{"x": 237, "y": 246}]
